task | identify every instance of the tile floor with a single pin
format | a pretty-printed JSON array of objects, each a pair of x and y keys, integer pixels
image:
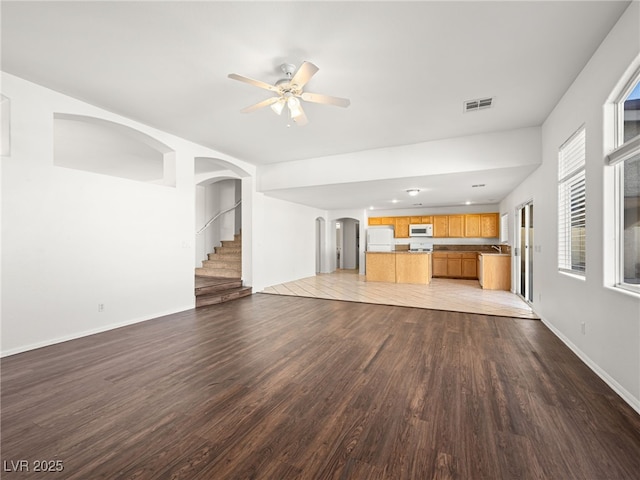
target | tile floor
[{"x": 440, "y": 294}]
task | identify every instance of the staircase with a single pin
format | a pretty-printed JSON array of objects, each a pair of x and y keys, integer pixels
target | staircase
[{"x": 219, "y": 279}]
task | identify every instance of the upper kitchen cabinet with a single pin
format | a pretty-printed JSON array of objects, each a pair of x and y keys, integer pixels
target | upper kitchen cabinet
[
  {"x": 382, "y": 221},
  {"x": 440, "y": 225},
  {"x": 456, "y": 226},
  {"x": 489, "y": 225},
  {"x": 402, "y": 227},
  {"x": 481, "y": 225},
  {"x": 472, "y": 225}
]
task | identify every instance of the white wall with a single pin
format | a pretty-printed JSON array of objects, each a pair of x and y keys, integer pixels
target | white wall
[
  {"x": 611, "y": 344},
  {"x": 284, "y": 245},
  {"x": 72, "y": 239}
]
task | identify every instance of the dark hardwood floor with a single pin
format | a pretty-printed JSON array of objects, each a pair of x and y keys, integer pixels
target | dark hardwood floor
[{"x": 274, "y": 387}]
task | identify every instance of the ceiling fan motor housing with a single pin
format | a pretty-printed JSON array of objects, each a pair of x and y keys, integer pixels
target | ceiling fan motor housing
[{"x": 288, "y": 69}]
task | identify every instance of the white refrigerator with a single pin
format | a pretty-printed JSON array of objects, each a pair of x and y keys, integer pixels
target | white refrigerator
[{"x": 379, "y": 239}]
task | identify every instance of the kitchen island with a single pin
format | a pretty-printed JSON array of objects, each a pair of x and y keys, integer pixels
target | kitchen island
[
  {"x": 399, "y": 267},
  {"x": 494, "y": 271}
]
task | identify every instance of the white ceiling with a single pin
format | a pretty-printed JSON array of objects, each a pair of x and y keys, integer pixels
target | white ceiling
[{"x": 407, "y": 68}]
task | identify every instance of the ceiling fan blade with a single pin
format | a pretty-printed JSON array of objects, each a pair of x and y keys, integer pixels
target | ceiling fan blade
[
  {"x": 304, "y": 74},
  {"x": 256, "y": 106},
  {"x": 325, "y": 99},
  {"x": 251, "y": 81}
]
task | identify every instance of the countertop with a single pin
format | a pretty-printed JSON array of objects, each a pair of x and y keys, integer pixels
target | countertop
[{"x": 403, "y": 252}]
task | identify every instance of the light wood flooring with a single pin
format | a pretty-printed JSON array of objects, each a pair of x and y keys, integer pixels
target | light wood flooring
[
  {"x": 441, "y": 294},
  {"x": 272, "y": 387}
]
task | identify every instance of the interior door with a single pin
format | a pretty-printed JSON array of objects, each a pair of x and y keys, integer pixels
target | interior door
[{"x": 524, "y": 251}]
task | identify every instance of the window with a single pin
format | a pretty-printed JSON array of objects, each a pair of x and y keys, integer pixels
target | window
[
  {"x": 626, "y": 161},
  {"x": 571, "y": 204}
]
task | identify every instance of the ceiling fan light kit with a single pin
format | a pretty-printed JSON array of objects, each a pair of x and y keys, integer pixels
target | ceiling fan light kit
[{"x": 289, "y": 92}]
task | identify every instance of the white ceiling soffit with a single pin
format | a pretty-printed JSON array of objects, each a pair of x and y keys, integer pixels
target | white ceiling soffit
[{"x": 435, "y": 191}]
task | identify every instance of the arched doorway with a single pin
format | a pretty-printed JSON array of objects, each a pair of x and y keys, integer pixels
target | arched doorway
[{"x": 222, "y": 209}]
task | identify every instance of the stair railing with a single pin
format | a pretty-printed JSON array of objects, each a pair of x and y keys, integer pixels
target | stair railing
[{"x": 215, "y": 217}]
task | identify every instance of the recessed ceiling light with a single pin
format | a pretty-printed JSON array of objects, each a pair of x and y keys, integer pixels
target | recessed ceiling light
[
  {"x": 467, "y": 202},
  {"x": 413, "y": 191},
  {"x": 395, "y": 200},
  {"x": 371, "y": 207}
]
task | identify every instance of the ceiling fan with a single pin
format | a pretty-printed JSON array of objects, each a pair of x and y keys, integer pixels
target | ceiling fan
[{"x": 288, "y": 92}]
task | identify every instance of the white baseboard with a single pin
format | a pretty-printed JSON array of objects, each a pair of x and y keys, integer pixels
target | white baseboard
[
  {"x": 86, "y": 333},
  {"x": 619, "y": 389}
]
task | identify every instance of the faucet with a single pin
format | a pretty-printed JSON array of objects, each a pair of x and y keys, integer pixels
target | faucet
[{"x": 498, "y": 248}]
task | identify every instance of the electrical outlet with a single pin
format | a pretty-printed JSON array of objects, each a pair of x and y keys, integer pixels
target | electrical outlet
[
  {"x": 101, "y": 307},
  {"x": 583, "y": 328}
]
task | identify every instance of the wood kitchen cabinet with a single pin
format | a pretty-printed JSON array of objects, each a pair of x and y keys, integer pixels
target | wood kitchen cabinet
[
  {"x": 495, "y": 271},
  {"x": 398, "y": 267},
  {"x": 402, "y": 227},
  {"x": 381, "y": 266},
  {"x": 439, "y": 264},
  {"x": 454, "y": 265},
  {"x": 472, "y": 225},
  {"x": 456, "y": 226},
  {"x": 440, "y": 226},
  {"x": 489, "y": 225},
  {"x": 413, "y": 268},
  {"x": 470, "y": 265}
]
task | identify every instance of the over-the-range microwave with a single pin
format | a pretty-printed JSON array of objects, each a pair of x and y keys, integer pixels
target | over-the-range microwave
[{"x": 424, "y": 230}]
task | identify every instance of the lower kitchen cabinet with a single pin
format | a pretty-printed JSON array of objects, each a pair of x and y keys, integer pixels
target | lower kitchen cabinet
[
  {"x": 455, "y": 264},
  {"x": 398, "y": 267},
  {"x": 469, "y": 265},
  {"x": 381, "y": 267},
  {"x": 439, "y": 264},
  {"x": 412, "y": 268},
  {"x": 495, "y": 271}
]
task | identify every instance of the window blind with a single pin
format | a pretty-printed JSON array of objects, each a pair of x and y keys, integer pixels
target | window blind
[{"x": 572, "y": 204}]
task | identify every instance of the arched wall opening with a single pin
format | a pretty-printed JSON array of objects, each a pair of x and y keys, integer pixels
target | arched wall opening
[
  {"x": 108, "y": 148},
  {"x": 223, "y": 201}
]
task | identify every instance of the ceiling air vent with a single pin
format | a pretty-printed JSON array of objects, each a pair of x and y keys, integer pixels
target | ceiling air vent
[{"x": 478, "y": 104}]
